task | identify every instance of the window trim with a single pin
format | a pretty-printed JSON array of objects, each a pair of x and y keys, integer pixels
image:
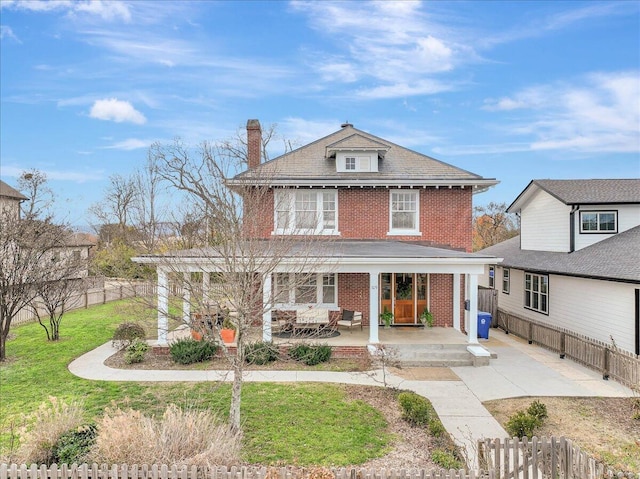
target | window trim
[
  {"x": 285, "y": 200},
  {"x": 598, "y": 230},
  {"x": 291, "y": 305},
  {"x": 538, "y": 293},
  {"x": 404, "y": 231},
  {"x": 506, "y": 281}
]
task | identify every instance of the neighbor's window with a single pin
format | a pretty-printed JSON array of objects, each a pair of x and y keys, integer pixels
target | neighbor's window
[
  {"x": 598, "y": 222},
  {"x": 536, "y": 292},
  {"x": 404, "y": 212},
  {"x": 492, "y": 276},
  {"x": 291, "y": 288},
  {"x": 506, "y": 280},
  {"x": 305, "y": 212}
]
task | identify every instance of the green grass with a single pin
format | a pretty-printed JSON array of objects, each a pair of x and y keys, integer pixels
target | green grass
[{"x": 305, "y": 424}]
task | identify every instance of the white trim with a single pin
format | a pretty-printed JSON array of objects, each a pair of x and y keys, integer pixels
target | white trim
[
  {"x": 287, "y": 199},
  {"x": 404, "y": 231}
]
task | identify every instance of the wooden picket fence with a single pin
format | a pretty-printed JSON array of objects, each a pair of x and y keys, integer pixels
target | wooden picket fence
[
  {"x": 541, "y": 458},
  {"x": 155, "y": 471},
  {"x": 613, "y": 363}
]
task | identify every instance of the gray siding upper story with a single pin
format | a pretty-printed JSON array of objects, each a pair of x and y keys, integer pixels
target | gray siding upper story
[{"x": 616, "y": 258}]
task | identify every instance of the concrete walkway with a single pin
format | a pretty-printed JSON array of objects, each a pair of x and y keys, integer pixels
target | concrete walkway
[{"x": 519, "y": 370}]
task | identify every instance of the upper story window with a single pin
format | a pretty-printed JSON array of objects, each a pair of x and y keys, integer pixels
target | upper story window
[
  {"x": 506, "y": 280},
  {"x": 350, "y": 163},
  {"x": 362, "y": 161},
  {"x": 536, "y": 292},
  {"x": 598, "y": 221},
  {"x": 404, "y": 213},
  {"x": 305, "y": 212}
]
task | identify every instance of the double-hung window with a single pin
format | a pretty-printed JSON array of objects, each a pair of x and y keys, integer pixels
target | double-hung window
[
  {"x": 506, "y": 280},
  {"x": 404, "y": 212},
  {"x": 292, "y": 289},
  {"x": 304, "y": 211},
  {"x": 598, "y": 222},
  {"x": 536, "y": 292},
  {"x": 492, "y": 277}
]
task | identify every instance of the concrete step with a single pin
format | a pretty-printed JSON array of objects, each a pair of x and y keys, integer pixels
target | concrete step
[{"x": 431, "y": 355}]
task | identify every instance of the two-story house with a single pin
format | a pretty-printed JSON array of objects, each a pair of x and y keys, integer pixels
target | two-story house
[
  {"x": 576, "y": 264},
  {"x": 10, "y": 200},
  {"x": 393, "y": 230}
]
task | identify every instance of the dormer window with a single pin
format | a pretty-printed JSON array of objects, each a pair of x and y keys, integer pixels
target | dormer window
[{"x": 362, "y": 161}]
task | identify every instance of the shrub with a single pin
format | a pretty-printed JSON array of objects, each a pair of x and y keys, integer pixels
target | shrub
[
  {"x": 73, "y": 446},
  {"x": 522, "y": 424},
  {"x": 538, "y": 410},
  {"x": 46, "y": 425},
  {"x": 136, "y": 351},
  {"x": 181, "y": 437},
  {"x": 126, "y": 333},
  {"x": 189, "y": 351},
  {"x": 436, "y": 428},
  {"x": 311, "y": 354},
  {"x": 415, "y": 408},
  {"x": 261, "y": 353},
  {"x": 446, "y": 459}
]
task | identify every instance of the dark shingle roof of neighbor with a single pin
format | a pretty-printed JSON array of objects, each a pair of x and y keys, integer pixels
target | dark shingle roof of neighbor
[
  {"x": 9, "y": 192},
  {"x": 316, "y": 161},
  {"x": 616, "y": 258}
]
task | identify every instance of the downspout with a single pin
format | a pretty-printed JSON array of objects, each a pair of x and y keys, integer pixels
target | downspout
[{"x": 572, "y": 228}]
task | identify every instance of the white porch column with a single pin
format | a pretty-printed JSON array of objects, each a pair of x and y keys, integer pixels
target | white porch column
[
  {"x": 266, "y": 305},
  {"x": 186, "y": 298},
  {"x": 472, "y": 333},
  {"x": 206, "y": 285},
  {"x": 373, "y": 307},
  {"x": 163, "y": 307},
  {"x": 456, "y": 301}
]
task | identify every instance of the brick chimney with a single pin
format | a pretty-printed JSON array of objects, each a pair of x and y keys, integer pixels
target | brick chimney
[{"x": 254, "y": 143}]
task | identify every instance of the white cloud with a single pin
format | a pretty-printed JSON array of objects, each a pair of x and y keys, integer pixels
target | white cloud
[
  {"x": 75, "y": 176},
  {"x": 130, "y": 144},
  {"x": 116, "y": 110},
  {"x": 105, "y": 9},
  {"x": 7, "y": 32}
]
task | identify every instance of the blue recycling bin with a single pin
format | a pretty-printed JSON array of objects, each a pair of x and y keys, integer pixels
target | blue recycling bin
[{"x": 484, "y": 323}]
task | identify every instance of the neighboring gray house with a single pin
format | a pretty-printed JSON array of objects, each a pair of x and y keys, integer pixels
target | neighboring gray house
[
  {"x": 576, "y": 263},
  {"x": 10, "y": 200}
]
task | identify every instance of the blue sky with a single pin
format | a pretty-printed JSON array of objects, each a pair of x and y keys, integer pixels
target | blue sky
[{"x": 509, "y": 90}]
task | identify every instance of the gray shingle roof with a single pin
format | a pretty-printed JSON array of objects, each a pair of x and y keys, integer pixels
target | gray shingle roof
[
  {"x": 310, "y": 164},
  {"x": 9, "y": 192},
  {"x": 616, "y": 258},
  {"x": 584, "y": 192}
]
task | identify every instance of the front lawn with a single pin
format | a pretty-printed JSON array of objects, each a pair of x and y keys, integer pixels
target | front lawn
[{"x": 294, "y": 423}]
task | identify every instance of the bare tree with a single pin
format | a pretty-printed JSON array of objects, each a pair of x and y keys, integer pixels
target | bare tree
[
  {"x": 117, "y": 205},
  {"x": 492, "y": 224},
  {"x": 237, "y": 252},
  {"x": 33, "y": 183},
  {"x": 26, "y": 247}
]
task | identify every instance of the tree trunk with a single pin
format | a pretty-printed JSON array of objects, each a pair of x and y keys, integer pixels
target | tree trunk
[{"x": 236, "y": 396}]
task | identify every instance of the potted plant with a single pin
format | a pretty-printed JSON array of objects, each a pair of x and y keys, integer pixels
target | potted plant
[
  {"x": 386, "y": 317},
  {"x": 426, "y": 318},
  {"x": 228, "y": 331}
]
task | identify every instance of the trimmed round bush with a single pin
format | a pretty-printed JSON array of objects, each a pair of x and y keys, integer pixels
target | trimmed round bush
[
  {"x": 126, "y": 333},
  {"x": 261, "y": 353},
  {"x": 189, "y": 351},
  {"x": 415, "y": 408},
  {"x": 522, "y": 424}
]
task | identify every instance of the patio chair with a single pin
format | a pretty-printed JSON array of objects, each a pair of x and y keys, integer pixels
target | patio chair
[{"x": 350, "y": 319}]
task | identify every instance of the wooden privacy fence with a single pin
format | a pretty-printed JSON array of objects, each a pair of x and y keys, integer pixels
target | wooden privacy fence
[
  {"x": 95, "y": 471},
  {"x": 541, "y": 458},
  {"x": 112, "y": 291},
  {"x": 606, "y": 358}
]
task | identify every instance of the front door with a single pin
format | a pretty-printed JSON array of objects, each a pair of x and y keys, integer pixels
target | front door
[{"x": 404, "y": 294}]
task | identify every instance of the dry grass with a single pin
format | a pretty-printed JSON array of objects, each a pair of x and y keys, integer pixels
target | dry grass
[
  {"x": 186, "y": 437},
  {"x": 44, "y": 427},
  {"x": 603, "y": 427}
]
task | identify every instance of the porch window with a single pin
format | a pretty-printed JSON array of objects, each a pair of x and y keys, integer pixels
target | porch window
[
  {"x": 506, "y": 281},
  {"x": 536, "y": 292},
  {"x": 292, "y": 289},
  {"x": 598, "y": 222},
  {"x": 404, "y": 212},
  {"x": 305, "y": 212}
]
